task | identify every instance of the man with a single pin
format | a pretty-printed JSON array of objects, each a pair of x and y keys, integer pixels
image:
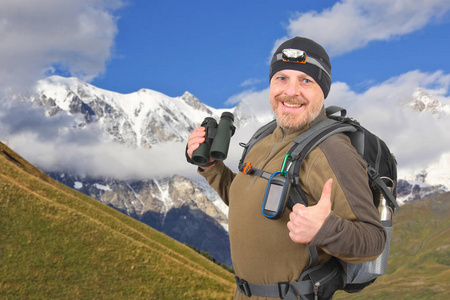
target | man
[{"x": 340, "y": 219}]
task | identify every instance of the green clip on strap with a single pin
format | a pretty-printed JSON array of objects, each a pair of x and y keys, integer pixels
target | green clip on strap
[{"x": 283, "y": 167}]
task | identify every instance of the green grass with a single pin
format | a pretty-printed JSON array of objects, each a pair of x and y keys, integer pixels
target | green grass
[
  {"x": 419, "y": 257},
  {"x": 57, "y": 243}
]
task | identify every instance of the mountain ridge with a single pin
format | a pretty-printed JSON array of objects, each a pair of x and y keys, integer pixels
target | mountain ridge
[{"x": 128, "y": 118}]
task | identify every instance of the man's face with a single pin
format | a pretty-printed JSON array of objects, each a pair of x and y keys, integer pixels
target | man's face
[{"x": 295, "y": 97}]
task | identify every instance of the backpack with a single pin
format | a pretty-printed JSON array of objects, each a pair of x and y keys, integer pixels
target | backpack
[{"x": 382, "y": 174}]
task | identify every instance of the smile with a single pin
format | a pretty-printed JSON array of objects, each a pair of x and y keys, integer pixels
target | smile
[{"x": 292, "y": 105}]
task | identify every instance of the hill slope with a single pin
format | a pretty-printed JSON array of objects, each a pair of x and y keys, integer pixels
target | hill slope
[
  {"x": 419, "y": 257},
  {"x": 58, "y": 243}
]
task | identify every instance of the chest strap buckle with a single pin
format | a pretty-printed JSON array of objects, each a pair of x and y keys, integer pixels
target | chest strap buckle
[
  {"x": 243, "y": 286},
  {"x": 247, "y": 169}
]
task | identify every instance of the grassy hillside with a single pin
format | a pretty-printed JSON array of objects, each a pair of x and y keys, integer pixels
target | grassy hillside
[
  {"x": 58, "y": 243},
  {"x": 419, "y": 257}
]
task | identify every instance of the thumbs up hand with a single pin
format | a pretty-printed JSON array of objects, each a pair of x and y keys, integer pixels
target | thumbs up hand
[{"x": 305, "y": 222}]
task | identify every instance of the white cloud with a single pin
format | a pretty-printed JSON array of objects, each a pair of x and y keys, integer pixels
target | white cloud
[
  {"x": 417, "y": 139},
  {"x": 254, "y": 103},
  {"x": 56, "y": 144},
  {"x": 252, "y": 81},
  {"x": 352, "y": 24},
  {"x": 235, "y": 99},
  {"x": 74, "y": 35}
]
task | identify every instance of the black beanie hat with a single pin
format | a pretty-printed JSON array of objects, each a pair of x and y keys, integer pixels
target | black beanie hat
[{"x": 322, "y": 75}]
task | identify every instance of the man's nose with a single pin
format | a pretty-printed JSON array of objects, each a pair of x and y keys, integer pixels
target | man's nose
[{"x": 293, "y": 88}]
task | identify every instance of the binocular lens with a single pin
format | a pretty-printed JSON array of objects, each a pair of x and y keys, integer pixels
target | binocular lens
[
  {"x": 201, "y": 155},
  {"x": 217, "y": 140}
]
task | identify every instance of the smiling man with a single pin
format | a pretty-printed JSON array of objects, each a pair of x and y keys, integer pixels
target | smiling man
[
  {"x": 340, "y": 220},
  {"x": 296, "y": 99},
  {"x": 298, "y": 84}
]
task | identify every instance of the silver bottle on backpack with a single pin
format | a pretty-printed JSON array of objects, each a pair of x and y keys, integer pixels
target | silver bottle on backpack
[
  {"x": 384, "y": 209},
  {"x": 380, "y": 264},
  {"x": 364, "y": 272}
]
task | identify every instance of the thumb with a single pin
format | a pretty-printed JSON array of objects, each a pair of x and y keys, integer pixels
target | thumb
[
  {"x": 325, "y": 198},
  {"x": 297, "y": 207}
]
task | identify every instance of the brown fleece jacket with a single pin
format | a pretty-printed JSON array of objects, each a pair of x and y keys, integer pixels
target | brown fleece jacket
[{"x": 261, "y": 249}]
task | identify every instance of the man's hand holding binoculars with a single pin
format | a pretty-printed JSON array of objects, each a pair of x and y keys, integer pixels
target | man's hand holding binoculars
[{"x": 196, "y": 138}]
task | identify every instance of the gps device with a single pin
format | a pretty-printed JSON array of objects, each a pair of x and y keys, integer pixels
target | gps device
[{"x": 276, "y": 196}]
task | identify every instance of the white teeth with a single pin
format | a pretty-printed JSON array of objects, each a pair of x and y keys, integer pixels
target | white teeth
[{"x": 293, "y": 105}]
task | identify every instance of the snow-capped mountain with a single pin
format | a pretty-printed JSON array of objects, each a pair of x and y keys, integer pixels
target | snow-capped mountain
[
  {"x": 435, "y": 177},
  {"x": 416, "y": 190},
  {"x": 141, "y": 119},
  {"x": 425, "y": 102},
  {"x": 184, "y": 209}
]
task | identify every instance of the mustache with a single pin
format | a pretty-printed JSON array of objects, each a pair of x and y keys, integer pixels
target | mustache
[{"x": 290, "y": 99}]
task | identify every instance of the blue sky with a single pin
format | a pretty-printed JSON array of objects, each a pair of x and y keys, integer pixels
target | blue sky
[
  {"x": 216, "y": 50},
  {"x": 209, "y": 48}
]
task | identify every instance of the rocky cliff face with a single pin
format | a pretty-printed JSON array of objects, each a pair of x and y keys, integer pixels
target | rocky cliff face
[
  {"x": 175, "y": 206},
  {"x": 415, "y": 190}
]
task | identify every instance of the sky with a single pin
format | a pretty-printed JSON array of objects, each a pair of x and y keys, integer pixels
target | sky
[
  {"x": 381, "y": 52},
  {"x": 215, "y": 50}
]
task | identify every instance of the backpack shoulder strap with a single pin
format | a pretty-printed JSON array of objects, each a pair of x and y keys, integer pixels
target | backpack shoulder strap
[
  {"x": 259, "y": 134},
  {"x": 308, "y": 140},
  {"x": 331, "y": 110},
  {"x": 358, "y": 139},
  {"x": 304, "y": 143}
]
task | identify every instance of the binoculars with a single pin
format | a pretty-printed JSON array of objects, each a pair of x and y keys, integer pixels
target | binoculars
[{"x": 217, "y": 140}]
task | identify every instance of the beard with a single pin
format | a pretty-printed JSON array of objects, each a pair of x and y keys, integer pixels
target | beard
[{"x": 292, "y": 122}]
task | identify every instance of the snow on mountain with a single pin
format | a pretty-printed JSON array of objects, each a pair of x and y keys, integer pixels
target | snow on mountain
[
  {"x": 147, "y": 118},
  {"x": 438, "y": 173},
  {"x": 141, "y": 119},
  {"x": 425, "y": 102}
]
